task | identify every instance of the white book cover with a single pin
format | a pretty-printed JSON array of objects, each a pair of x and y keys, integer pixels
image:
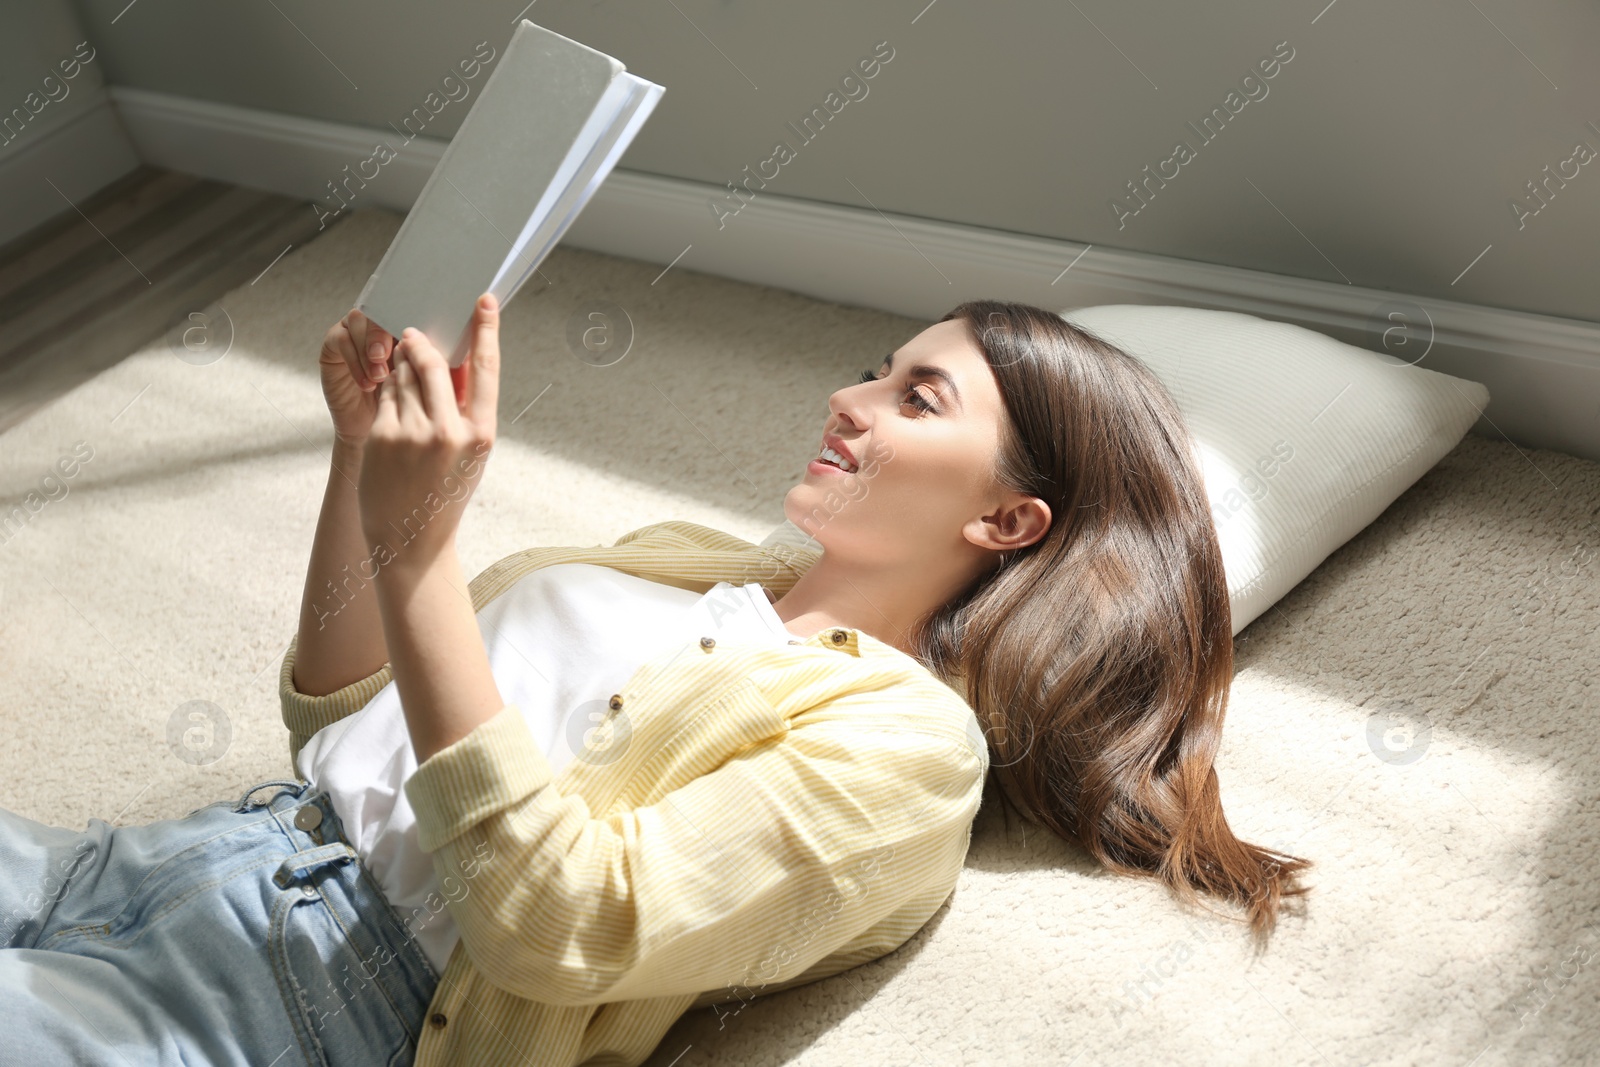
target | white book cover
[{"x": 547, "y": 128}]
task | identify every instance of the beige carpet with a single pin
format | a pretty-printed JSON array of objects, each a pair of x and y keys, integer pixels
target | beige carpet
[{"x": 1455, "y": 916}]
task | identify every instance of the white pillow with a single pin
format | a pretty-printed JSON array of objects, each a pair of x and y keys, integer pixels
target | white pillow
[{"x": 1303, "y": 439}]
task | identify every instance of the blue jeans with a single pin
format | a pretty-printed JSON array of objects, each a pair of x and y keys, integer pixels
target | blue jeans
[{"x": 246, "y": 933}]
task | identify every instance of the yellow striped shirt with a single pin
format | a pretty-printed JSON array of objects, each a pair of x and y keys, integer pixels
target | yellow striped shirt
[{"x": 770, "y": 816}]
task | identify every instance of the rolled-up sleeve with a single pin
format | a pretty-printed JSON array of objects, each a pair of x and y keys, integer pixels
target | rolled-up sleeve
[
  {"x": 304, "y": 714},
  {"x": 747, "y": 875}
]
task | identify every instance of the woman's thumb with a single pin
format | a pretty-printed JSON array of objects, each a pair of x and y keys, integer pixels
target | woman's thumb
[{"x": 485, "y": 359}]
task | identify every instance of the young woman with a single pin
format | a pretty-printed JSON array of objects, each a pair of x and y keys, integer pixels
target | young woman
[{"x": 538, "y": 816}]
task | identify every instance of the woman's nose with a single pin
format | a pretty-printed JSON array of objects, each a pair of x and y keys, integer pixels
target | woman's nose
[{"x": 844, "y": 403}]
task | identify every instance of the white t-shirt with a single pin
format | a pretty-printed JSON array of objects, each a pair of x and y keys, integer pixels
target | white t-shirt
[{"x": 561, "y": 641}]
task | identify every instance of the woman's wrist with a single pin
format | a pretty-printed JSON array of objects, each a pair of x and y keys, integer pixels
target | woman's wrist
[
  {"x": 407, "y": 566},
  {"x": 347, "y": 457}
]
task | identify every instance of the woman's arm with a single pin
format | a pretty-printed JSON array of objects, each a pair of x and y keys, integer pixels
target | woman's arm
[
  {"x": 424, "y": 457},
  {"x": 440, "y": 665},
  {"x": 340, "y": 639}
]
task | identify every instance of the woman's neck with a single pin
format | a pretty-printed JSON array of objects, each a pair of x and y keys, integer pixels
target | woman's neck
[{"x": 875, "y": 600}]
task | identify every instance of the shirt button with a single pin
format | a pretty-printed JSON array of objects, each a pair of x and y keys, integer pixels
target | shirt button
[
  {"x": 838, "y": 637},
  {"x": 437, "y": 1020},
  {"x": 616, "y": 702},
  {"x": 708, "y": 643},
  {"x": 308, "y": 817}
]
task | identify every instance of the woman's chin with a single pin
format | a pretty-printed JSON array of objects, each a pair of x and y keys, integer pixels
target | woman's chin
[{"x": 800, "y": 507}]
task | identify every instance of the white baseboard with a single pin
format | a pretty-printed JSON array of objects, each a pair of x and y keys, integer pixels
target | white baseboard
[
  {"x": 80, "y": 156},
  {"x": 277, "y": 153},
  {"x": 1543, "y": 373}
]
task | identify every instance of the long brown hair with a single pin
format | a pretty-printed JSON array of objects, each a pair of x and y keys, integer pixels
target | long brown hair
[{"x": 1099, "y": 658}]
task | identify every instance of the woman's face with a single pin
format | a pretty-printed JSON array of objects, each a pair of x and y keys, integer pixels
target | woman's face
[{"x": 922, "y": 439}]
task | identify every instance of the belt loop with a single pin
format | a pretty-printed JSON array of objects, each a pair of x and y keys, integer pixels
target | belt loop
[{"x": 300, "y": 863}]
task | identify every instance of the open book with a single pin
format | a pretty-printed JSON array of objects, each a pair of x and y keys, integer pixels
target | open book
[{"x": 549, "y": 124}]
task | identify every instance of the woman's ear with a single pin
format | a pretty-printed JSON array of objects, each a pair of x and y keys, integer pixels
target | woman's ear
[
  {"x": 1018, "y": 522},
  {"x": 1029, "y": 521}
]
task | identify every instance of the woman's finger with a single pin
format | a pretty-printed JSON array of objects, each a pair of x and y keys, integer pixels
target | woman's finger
[
  {"x": 387, "y": 417},
  {"x": 433, "y": 377},
  {"x": 373, "y": 345},
  {"x": 355, "y": 326},
  {"x": 483, "y": 392},
  {"x": 380, "y": 343},
  {"x": 408, "y": 398},
  {"x": 339, "y": 343}
]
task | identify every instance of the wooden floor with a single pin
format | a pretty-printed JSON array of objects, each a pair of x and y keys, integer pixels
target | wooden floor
[{"x": 86, "y": 288}]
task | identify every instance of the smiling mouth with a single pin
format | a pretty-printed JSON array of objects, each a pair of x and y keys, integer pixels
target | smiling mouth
[{"x": 834, "y": 459}]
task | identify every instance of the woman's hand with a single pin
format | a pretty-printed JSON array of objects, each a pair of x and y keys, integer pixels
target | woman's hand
[
  {"x": 354, "y": 360},
  {"x": 427, "y": 448}
]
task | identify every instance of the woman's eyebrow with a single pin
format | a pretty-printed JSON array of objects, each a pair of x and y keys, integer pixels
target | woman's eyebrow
[{"x": 924, "y": 370}]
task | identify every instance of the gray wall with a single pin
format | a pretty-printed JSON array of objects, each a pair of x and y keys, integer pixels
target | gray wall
[
  {"x": 35, "y": 38},
  {"x": 59, "y": 139},
  {"x": 1386, "y": 152}
]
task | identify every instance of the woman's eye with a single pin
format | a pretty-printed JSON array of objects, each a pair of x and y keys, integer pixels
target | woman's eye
[{"x": 913, "y": 396}]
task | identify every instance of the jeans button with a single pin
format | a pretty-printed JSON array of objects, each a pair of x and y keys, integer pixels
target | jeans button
[
  {"x": 308, "y": 890},
  {"x": 308, "y": 817}
]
